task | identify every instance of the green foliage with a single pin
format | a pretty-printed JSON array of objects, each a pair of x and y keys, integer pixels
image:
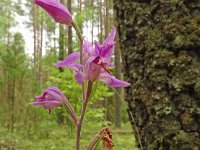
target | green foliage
[
  {"x": 14, "y": 57},
  {"x": 72, "y": 90},
  {"x": 51, "y": 136}
]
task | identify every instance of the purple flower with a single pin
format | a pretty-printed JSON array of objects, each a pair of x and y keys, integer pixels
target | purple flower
[
  {"x": 96, "y": 62},
  {"x": 52, "y": 97},
  {"x": 56, "y": 10}
]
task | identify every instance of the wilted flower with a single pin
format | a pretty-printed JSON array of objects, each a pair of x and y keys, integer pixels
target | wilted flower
[
  {"x": 96, "y": 63},
  {"x": 56, "y": 10},
  {"x": 106, "y": 136},
  {"x": 107, "y": 139},
  {"x": 52, "y": 97}
]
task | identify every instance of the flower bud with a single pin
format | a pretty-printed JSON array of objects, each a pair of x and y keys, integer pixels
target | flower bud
[
  {"x": 56, "y": 10},
  {"x": 52, "y": 97}
]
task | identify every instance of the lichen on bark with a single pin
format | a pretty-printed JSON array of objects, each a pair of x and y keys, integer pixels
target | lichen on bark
[{"x": 160, "y": 43}]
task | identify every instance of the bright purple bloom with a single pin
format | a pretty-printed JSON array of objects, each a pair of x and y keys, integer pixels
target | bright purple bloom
[
  {"x": 52, "y": 97},
  {"x": 96, "y": 62},
  {"x": 56, "y": 10}
]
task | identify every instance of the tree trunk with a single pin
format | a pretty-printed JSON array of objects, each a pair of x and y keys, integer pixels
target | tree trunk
[
  {"x": 107, "y": 18},
  {"x": 101, "y": 22},
  {"x": 41, "y": 49},
  {"x": 60, "y": 117},
  {"x": 118, "y": 92},
  {"x": 92, "y": 30},
  {"x": 160, "y": 42},
  {"x": 117, "y": 70},
  {"x": 61, "y": 44},
  {"x": 69, "y": 30},
  {"x": 34, "y": 34}
]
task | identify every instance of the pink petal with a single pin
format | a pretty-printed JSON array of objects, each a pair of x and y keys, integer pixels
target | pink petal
[
  {"x": 55, "y": 89},
  {"x": 110, "y": 38},
  {"x": 56, "y": 10},
  {"x": 111, "y": 81},
  {"x": 87, "y": 47},
  {"x": 75, "y": 67},
  {"x": 79, "y": 77},
  {"x": 106, "y": 52},
  {"x": 97, "y": 48},
  {"x": 47, "y": 104},
  {"x": 70, "y": 60}
]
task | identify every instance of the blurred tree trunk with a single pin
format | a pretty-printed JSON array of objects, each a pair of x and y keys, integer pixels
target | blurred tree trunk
[
  {"x": 101, "y": 22},
  {"x": 80, "y": 5},
  {"x": 80, "y": 11},
  {"x": 61, "y": 44},
  {"x": 107, "y": 18},
  {"x": 12, "y": 99},
  {"x": 106, "y": 30},
  {"x": 118, "y": 92},
  {"x": 92, "y": 30},
  {"x": 117, "y": 71},
  {"x": 60, "y": 117},
  {"x": 160, "y": 42},
  {"x": 41, "y": 49},
  {"x": 69, "y": 5},
  {"x": 34, "y": 34}
]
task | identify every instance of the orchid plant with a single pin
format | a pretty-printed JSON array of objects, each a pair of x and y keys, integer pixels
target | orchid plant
[{"x": 90, "y": 64}]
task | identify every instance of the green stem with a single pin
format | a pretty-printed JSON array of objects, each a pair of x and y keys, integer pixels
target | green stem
[
  {"x": 78, "y": 32},
  {"x": 70, "y": 109},
  {"x": 84, "y": 106},
  {"x": 85, "y": 99}
]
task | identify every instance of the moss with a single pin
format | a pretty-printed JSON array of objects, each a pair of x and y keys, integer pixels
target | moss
[{"x": 160, "y": 42}]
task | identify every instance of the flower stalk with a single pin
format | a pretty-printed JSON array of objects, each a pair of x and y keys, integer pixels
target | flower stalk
[
  {"x": 83, "y": 110},
  {"x": 70, "y": 109},
  {"x": 78, "y": 32},
  {"x": 94, "y": 65},
  {"x": 85, "y": 99}
]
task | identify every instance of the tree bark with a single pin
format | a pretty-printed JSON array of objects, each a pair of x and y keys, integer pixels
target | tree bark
[
  {"x": 107, "y": 18},
  {"x": 69, "y": 29},
  {"x": 60, "y": 117},
  {"x": 160, "y": 42},
  {"x": 61, "y": 44},
  {"x": 118, "y": 92},
  {"x": 41, "y": 49},
  {"x": 117, "y": 71},
  {"x": 92, "y": 30},
  {"x": 34, "y": 35},
  {"x": 101, "y": 22}
]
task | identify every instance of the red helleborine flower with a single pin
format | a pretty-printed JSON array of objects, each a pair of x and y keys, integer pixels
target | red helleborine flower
[
  {"x": 52, "y": 97},
  {"x": 56, "y": 10},
  {"x": 96, "y": 62}
]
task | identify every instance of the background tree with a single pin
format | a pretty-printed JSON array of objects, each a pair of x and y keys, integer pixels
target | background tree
[{"x": 160, "y": 42}]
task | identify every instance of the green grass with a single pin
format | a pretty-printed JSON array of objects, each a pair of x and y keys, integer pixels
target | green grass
[{"x": 58, "y": 137}]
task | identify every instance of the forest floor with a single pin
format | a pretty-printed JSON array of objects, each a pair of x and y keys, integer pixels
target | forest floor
[{"x": 60, "y": 137}]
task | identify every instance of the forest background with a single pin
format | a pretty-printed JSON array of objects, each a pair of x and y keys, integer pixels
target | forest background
[{"x": 30, "y": 44}]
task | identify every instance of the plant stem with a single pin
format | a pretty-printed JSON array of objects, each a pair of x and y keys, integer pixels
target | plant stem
[
  {"x": 85, "y": 99},
  {"x": 79, "y": 126},
  {"x": 78, "y": 32},
  {"x": 84, "y": 106},
  {"x": 70, "y": 109}
]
